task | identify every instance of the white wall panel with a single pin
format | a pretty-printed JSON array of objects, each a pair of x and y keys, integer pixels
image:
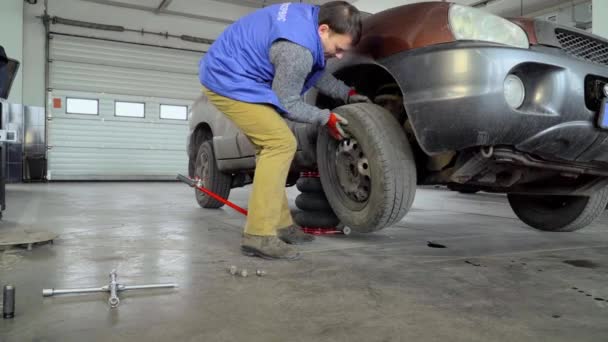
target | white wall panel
[{"x": 600, "y": 13}]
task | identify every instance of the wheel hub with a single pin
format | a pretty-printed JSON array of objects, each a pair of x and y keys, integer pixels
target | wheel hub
[
  {"x": 202, "y": 170},
  {"x": 353, "y": 170}
]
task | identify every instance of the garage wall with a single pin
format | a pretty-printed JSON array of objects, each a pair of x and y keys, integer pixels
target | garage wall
[
  {"x": 154, "y": 70},
  {"x": 600, "y": 13},
  {"x": 33, "y": 56},
  {"x": 34, "y": 40},
  {"x": 136, "y": 19}
]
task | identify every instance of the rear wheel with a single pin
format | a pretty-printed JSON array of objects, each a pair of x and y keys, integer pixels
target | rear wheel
[
  {"x": 559, "y": 213},
  {"x": 205, "y": 168}
]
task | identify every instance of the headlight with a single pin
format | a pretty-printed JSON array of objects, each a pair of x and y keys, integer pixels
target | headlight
[{"x": 468, "y": 23}]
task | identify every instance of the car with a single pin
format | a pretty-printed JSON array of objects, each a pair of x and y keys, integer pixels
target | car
[{"x": 461, "y": 98}]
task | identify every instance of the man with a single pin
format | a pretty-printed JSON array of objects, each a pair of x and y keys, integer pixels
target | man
[{"x": 255, "y": 73}]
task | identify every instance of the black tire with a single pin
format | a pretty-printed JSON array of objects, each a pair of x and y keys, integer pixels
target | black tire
[
  {"x": 190, "y": 167},
  {"x": 312, "y": 202},
  {"x": 213, "y": 179},
  {"x": 316, "y": 219},
  {"x": 309, "y": 184},
  {"x": 559, "y": 213},
  {"x": 392, "y": 169}
]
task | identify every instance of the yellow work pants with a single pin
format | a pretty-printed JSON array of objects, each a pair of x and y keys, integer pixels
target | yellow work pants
[{"x": 275, "y": 147}]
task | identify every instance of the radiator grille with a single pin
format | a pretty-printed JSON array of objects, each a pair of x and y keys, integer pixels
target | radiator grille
[{"x": 583, "y": 47}]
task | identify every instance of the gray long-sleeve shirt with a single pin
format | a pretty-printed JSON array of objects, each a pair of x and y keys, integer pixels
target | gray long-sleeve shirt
[{"x": 292, "y": 64}]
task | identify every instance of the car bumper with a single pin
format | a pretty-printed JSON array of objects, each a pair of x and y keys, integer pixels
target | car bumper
[{"x": 454, "y": 98}]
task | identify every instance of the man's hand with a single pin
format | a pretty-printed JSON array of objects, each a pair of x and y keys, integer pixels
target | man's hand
[
  {"x": 334, "y": 126},
  {"x": 354, "y": 97}
]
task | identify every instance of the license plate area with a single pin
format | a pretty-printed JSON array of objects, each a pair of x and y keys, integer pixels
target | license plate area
[
  {"x": 594, "y": 92},
  {"x": 603, "y": 118}
]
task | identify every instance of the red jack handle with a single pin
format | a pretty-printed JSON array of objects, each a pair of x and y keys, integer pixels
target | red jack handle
[{"x": 197, "y": 185}]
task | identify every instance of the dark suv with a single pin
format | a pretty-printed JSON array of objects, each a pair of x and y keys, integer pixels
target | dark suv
[{"x": 462, "y": 98}]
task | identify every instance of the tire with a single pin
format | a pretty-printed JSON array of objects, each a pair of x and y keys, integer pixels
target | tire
[
  {"x": 312, "y": 202},
  {"x": 316, "y": 219},
  {"x": 383, "y": 154},
  {"x": 190, "y": 167},
  {"x": 309, "y": 184},
  {"x": 205, "y": 168},
  {"x": 559, "y": 213}
]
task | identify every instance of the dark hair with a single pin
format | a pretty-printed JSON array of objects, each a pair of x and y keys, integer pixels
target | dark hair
[{"x": 342, "y": 18}]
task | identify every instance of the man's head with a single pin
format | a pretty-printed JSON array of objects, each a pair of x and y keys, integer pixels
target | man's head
[{"x": 339, "y": 27}]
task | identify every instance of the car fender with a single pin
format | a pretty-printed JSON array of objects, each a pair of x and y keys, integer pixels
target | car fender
[{"x": 224, "y": 131}]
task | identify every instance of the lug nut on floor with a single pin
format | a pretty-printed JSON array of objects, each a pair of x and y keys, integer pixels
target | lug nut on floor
[{"x": 233, "y": 270}]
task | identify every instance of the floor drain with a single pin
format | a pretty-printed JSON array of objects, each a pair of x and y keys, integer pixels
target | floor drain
[
  {"x": 472, "y": 263},
  {"x": 582, "y": 263},
  {"x": 435, "y": 245}
]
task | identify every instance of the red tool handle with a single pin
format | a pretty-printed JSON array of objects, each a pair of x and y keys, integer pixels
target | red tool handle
[{"x": 215, "y": 196}]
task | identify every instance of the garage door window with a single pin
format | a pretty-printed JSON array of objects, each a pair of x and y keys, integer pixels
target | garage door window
[
  {"x": 173, "y": 112},
  {"x": 82, "y": 106},
  {"x": 129, "y": 109}
]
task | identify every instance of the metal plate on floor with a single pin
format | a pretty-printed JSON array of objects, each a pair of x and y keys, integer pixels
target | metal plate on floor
[{"x": 16, "y": 238}]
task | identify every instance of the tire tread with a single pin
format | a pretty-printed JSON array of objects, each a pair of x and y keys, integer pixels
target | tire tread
[{"x": 220, "y": 183}]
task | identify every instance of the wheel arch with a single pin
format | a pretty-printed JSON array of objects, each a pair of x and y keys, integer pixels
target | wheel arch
[{"x": 369, "y": 77}]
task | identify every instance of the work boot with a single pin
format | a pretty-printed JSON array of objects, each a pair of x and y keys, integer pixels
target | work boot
[
  {"x": 294, "y": 235},
  {"x": 267, "y": 247}
]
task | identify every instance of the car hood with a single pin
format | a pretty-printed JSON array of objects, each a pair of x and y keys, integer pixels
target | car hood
[{"x": 417, "y": 25}]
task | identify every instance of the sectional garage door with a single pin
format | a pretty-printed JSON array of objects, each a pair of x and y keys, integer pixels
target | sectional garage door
[{"x": 117, "y": 110}]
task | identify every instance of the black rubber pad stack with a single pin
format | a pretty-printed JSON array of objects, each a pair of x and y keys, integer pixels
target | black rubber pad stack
[{"x": 315, "y": 211}]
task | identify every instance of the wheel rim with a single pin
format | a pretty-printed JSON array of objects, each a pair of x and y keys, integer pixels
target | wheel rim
[
  {"x": 353, "y": 170},
  {"x": 202, "y": 168}
]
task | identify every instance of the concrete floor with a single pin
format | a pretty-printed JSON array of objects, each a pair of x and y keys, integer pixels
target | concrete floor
[{"x": 497, "y": 280}]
